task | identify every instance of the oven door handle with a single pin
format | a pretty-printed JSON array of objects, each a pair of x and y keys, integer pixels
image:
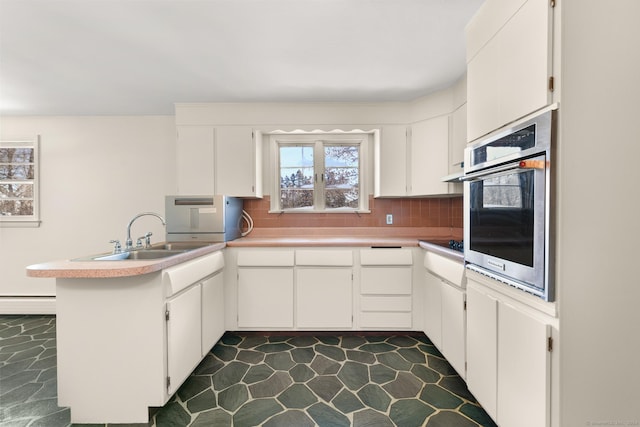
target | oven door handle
[{"x": 474, "y": 175}]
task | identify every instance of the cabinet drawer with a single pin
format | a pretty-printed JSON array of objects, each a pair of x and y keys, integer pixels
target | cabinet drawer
[
  {"x": 179, "y": 277},
  {"x": 385, "y": 303},
  {"x": 336, "y": 258},
  {"x": 265, "y": 258},
  {"x": 386, "y": 320},
  {"x": 445, "y": 268},
  {"x": 386, "y": 257},
  {"x": 385, "y": 280}
]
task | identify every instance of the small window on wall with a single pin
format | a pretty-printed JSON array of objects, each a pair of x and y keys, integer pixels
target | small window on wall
[
  {"x": 320, "y": 173},
  {"x": 19, "y": 166}
]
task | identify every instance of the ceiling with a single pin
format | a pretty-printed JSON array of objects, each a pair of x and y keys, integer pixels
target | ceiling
[{"x": 122, "y": 57}]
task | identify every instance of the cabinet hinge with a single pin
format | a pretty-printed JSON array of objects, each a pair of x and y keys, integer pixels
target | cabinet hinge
[
  {"x": 464, "y": 305},
  {"x": 166, "y": 315},
  {"x": 549, "y": 344},
  {"x": 168, "y": 382},
  {"x": 551, "y": 84}
]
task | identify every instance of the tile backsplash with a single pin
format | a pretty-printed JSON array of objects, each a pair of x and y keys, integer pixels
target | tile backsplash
[{"x": 431, "y": 212}]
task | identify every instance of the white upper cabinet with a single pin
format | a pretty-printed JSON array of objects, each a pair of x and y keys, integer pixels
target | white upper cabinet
[
  {"x": 458, "y": 139},
  {"x": 390, "y": 177},
  {"x": 429, "y": 157},
  {"x": 195, "y": 158},
  {"x": 410, "y": 161},
  {"x": 219, "y": 160},
  {"x": 509, "y": 63},
  {"x": 238, "y": 168}
]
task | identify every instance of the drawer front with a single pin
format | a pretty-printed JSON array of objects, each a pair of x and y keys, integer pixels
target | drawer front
[
  {"x": 386, "y": 257},
  {"x": 252, "y": 258},
  {"x": 448, "y": 269},
  {"x": 186, "y": 274},
  {"x": 385, "y": 320},
  {"x": 385, "y": 303},
  {"x": 385, "y": 280},
  {"x": 337, "y": 258}
]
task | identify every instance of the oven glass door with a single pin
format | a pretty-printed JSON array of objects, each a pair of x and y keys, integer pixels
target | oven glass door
[{"x": 505, "y": 222}]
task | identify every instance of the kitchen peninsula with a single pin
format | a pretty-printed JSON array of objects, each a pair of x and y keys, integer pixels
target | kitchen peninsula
[{"x": 147, "y": 324}]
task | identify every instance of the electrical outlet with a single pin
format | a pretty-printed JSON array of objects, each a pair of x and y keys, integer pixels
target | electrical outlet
[{"x": 389, "y": 219}]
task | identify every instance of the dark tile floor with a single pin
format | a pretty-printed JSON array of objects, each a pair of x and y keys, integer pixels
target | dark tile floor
[{"x": 272, "y": 380}]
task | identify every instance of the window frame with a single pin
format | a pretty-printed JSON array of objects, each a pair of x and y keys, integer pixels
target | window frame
[
  {"x": 26, "y": 220},
  {"x": 320, "y": 139}
]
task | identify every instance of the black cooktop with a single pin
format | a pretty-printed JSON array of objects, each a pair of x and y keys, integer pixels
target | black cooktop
[{"x": 456, "y": 245}]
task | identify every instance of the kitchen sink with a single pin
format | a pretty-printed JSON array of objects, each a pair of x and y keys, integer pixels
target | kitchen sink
[
  {"x": 139, "y": 254},
  {"x": 158, "y": 251},
  {"x": 185, "y": 246}
]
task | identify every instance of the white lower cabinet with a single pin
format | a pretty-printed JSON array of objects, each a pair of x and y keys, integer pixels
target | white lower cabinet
[
  {"x": 523, "y": 369},
  {"x": 454, "y": 326},
  {"x": 213, "y": 326},
  {"x": 324, "y": 288},
  {"x": 265, "y": 289},
  {"x": 184, "y": 336},
  {"x": 433, "y": 309},
  {"x": 194, "y": 313},
  {"x": 508, "y": 358},
  {"x": 386, "y": 288},
  {"x": 265, "y": 297},
  {"x": 482, "y": 349},
  {"x": 445, "y": 320},
  {"x": 145, "y": 333},
  {"x": 445, "y": 317},
  {"x": 324, "y": 298}
]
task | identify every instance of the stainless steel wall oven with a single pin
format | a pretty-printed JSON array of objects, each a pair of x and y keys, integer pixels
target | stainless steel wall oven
[{"x": 507, "y": 205}]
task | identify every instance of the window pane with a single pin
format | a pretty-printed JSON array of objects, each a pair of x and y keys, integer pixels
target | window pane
[
  {"x": 16, "y": 207},
  {"x": 342, "y": 176},
  {"x": 296, "y": 177},
  {"x": 16, "y": 191},
  {"x": 17, "y": 172},
  {"x": 16, "y": 155}
]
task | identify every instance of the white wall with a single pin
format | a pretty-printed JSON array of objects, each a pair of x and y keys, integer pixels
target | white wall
[
  {"x": 96, "y": 173},
  {"x": 598, "y": 231}
]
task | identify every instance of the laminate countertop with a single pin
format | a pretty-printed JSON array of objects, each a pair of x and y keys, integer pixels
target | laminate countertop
[{"x": 87, "y": 268}]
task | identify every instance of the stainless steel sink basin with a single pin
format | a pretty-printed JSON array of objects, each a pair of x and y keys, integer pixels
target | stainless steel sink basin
[
  {"x": 142, "y": 254},
  {"x": 163, "y": 250},
  {"x": 154, "y": 253},
  {"x": 187, "y": 246}
]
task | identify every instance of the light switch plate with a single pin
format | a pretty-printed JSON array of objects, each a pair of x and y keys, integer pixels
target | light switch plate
[{"x": 389, "y": 219}]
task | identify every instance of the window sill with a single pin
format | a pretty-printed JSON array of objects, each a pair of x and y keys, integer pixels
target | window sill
[
  {"x": 18, "y": 223},
  {"x": 312, "y": 211}
]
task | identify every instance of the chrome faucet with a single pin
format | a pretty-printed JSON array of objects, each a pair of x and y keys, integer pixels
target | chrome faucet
[{"x": 129, "y": 242}]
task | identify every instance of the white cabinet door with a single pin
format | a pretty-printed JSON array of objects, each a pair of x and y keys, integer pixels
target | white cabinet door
[
  {"x": 458, "y": 139},
  {"x": 390, "y": 170},
  {"x": 238, "y": 162},
  {"x": 212, "y": 311},
  {"x": 195, "y": 155},
  {"x": 324, "y": 298},
  {"x": 429, "y": 154},
  {"x": 523, "y": 369},
  {"x": 433, "y": 309},
  {"x": 526, "y": 55},
  {"x": 483, "y": 92},
  {"x": 453, "y": 327},
  {"x": 184, "y": 336},
  {"x": 482, "y": 349},
  {"x": 508, "y": 78},
  {"x": 265, "y": 297}
]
